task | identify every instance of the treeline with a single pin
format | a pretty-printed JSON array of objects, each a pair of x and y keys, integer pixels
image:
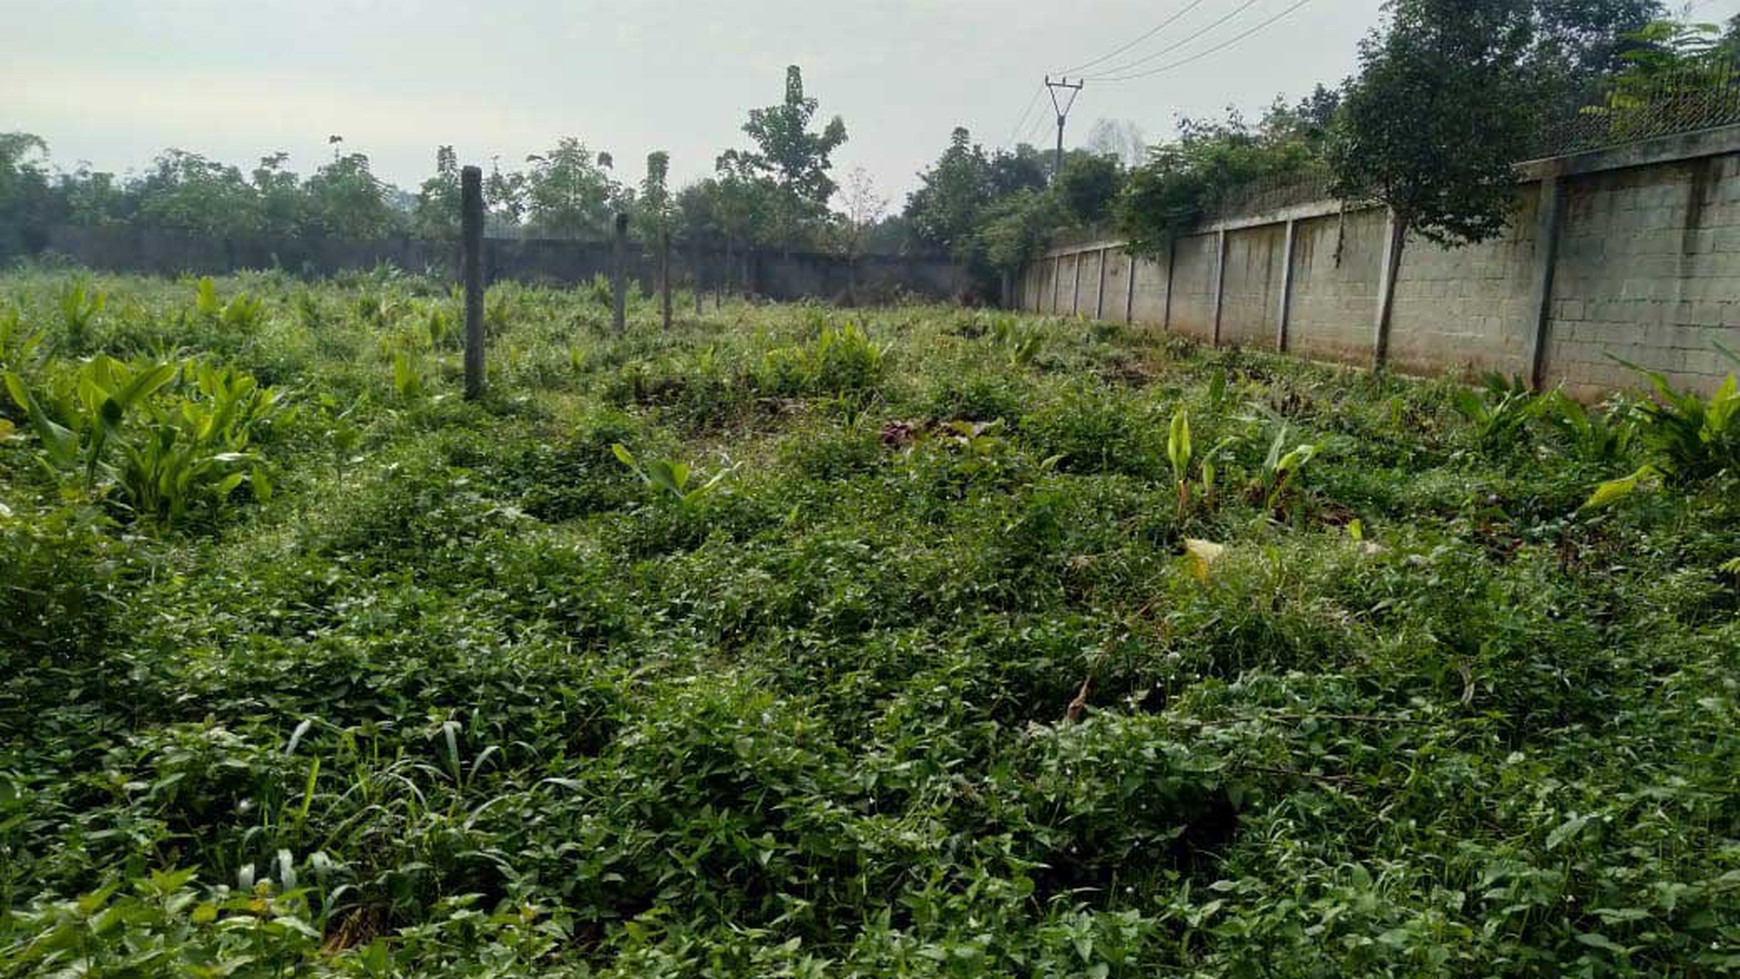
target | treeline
[
  {"x": 776, "y": 192},
  {"x": 1450, "y": 94}
]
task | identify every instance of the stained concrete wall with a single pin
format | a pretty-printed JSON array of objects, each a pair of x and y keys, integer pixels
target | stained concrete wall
[
  {"x": 1648, "y": 270},
  {"x": 1193, "y": 275},
  {"x": 1337, "y": 265},
  {"x": 1642, "y": 262},
  {"x": 1251, "y": 294},
  {"x": 796, "y": 275},
  {"x": 1468, "y": 308}
]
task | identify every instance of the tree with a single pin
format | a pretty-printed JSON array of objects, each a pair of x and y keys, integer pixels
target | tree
[
  {"x": 1123, "y": 140},
  {"x": 794, "y": 157},
  {"x": 1186, "y": 180},
  {"x": 23, "y": 188},
  {"x": 1013, "y": 231},
  {"x": 1087, "y": 185},
  {"x": 436, "y": 214},
  {"x": 346, "y": 200},
  {"x": 504, "y": 194},
  {"x": 861, "y": 210},
  {"x": 944, "y": 210},
  {"x": 1442, "y": 109},
  {"x": 568, "y": 193},
  {"x": 190, "y": 194},
  {"x": 283, "y": 204},
  {"x": 657, "y": 219}
]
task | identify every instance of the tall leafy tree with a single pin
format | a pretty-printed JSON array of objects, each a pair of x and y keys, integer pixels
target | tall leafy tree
[
  {"x": 798, "y": 158},
  {"x": 436, "y": 213},
  {"x": 795, "y": 158},
  {"x": 283, "y": 204},
  {"x": 1444, "y": 106},
  {"x": 569, "y": 194},
  {"x": 188, "y": 193},
  {"x": 23, "y": 187},
  {"x": 347, "y": 200},
  {"x": 657, "y": 220},
  {"x": 504, "y": 195},
  {"x": 944, "y": 210},
  {"x": 1088, "y": 184}
]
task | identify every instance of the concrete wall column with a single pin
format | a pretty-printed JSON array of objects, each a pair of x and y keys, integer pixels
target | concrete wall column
[
  {"x": 1219, "y": 280},
  {"x": 1100, "y": 294},
  {"x": 1394, "y": 234},
  {"x": 1286, "y": 308},
  {"x": 1130, "y": 290},
  {"x": 1549, "y": 221},
  {"x": 1075, "y": 287}
]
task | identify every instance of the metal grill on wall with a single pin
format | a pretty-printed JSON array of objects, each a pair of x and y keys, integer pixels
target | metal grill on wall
[
  {"x": 1691, "y": 101},
  {"x": 1682, "y": 102}
]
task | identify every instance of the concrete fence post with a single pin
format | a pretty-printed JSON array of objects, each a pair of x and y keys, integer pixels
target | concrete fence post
[
  {"x": 619, "y": 275},
  {"x": 471, "y": 274},
  {"x": 1100, "y": 296},
  {"x": 1219, "y": 279},
  {"x": 1056, "y": 283},
  {"x": 1075, "y": 285},
  {"x": 1285, "y": 312},
  {"x": 1171, "y": 267},
  {"x": 1549, "y": 222},
  {"x": 665, "y": 278},
  {"x": 1130, "y": 289},
  {"x": 1393, "y": 241}
]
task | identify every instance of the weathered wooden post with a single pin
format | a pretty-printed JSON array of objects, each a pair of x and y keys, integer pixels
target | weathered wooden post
[
  {"x": 619, "y": 275},
  {"x": 471, "y": 274}
]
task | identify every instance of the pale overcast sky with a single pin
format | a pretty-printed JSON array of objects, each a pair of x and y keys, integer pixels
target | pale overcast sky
[{"x": 113, "y": 82}]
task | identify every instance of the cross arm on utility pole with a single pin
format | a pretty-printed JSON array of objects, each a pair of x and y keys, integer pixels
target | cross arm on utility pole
[{"x": 1061, "y": 106}]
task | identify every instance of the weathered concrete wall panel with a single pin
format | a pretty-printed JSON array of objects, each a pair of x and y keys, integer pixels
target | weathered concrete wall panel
[
  {"x": 1149, "y": 300},
  {"x": 1337, "y": 262},
  {"x": 1193, "y": 285},
  {"x": 1644, "y": 267},
  {"x": 1251, "y": 296},
  {"x": 1467, "y": 309},
  {"x": 1649, "y": 271}
]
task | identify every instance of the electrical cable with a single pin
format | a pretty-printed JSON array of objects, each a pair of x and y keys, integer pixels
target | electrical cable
[
  {"x": 1175, "y": 45},
  {"x": 1168, "y": 22},
  {"x": 1205, "y": 53}
]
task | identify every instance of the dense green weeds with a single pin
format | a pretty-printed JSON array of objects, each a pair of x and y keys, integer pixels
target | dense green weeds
[{"x": 929, "y": 681}]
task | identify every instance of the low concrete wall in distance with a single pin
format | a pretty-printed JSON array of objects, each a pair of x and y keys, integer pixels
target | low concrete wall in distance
[
  {"x": 782, "y": 276},
  {"x": 1631, "y": 253}
]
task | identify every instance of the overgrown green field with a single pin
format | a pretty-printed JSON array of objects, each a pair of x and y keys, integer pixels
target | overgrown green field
[{"x": 924, "y": 647}]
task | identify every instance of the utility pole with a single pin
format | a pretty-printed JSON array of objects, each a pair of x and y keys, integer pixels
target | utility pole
[{"x": 1062, "y": 108}]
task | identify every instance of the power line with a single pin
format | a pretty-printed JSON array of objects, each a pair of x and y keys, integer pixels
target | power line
[
  {"x": 1157, "y": 28},
  {"x": 1016, "y": 129},
  {"x": 1205, "y": 53},
  {"x": 1125, "y": 67}
]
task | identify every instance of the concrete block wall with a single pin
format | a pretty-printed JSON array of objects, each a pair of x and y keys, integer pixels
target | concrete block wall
[
  {"x": 1467, "y": 309},
  {"x": 1337, "y": 264},
  {"x": 1193, "y": 281},
  {"x": 1117, "y": 294},
  {"x": 1648, "y": 271},
  {"x": 1632, "y": 253},
  {"x": 1251, "y": 295}
]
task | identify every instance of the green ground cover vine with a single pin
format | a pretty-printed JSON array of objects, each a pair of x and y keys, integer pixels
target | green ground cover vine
[{"x": 1010, "y": 646}]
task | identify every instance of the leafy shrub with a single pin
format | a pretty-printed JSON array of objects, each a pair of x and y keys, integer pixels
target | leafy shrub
[{"x": 176, "y": 452}]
